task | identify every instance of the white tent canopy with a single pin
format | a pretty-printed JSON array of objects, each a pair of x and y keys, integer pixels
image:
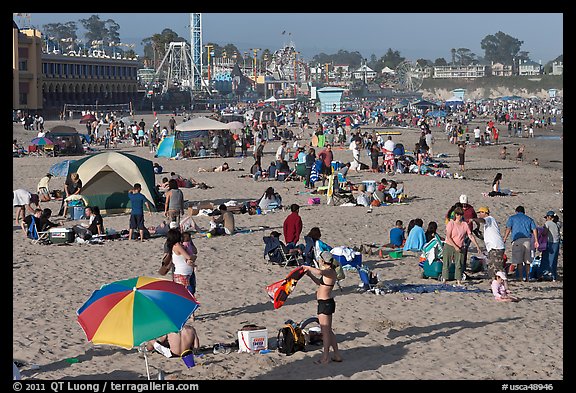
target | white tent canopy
[
  {"x": 201, "y": 123},
  {"x": 455, "y": 99},
  {"x": 271, "y": 99},
  {"x": 387, "y": 70}
]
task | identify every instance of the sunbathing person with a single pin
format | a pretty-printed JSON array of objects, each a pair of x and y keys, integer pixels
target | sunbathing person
[
  {"x": 174, "y": 344},
  {"x": 221, "y": 168}
]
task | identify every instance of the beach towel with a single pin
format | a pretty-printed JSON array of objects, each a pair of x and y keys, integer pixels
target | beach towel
[{"x": 416, "y": 239}]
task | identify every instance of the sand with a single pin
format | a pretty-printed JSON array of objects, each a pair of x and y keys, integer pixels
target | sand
[{"x": 429, "y": 336}]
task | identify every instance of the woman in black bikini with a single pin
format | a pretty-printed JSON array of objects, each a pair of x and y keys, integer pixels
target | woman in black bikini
[{"x": 326, "y": 304}]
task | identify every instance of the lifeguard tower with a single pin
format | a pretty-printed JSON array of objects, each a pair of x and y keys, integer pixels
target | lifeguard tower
[{"x": 330, "y": 100}]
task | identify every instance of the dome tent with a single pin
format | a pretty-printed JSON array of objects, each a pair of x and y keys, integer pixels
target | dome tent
[{"x": 106, "y": 178}]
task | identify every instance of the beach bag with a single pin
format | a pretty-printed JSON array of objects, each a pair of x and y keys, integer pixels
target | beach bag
[
  {"x": 291, "y": 339},
  {"x": 166, "y": 264},
  {"x": 338, "y": 268}
]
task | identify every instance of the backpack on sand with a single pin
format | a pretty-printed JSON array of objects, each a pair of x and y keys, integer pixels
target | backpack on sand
[{"x": 291, "y": 338}]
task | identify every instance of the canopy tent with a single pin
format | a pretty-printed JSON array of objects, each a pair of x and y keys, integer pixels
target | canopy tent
[
  {"x": 454, "y": 101},
  {"x": 107, "y": 177},
  {"x": 66, "y": 140},
  {"x": 169, "y": 146},
  {"x": 424, "y": 104},
  {"x": 437, "y": 113},
  {"x": 201, "y": 123},
  {"x": 188, "y": 135},
  {"x": 271, "y": 99}
]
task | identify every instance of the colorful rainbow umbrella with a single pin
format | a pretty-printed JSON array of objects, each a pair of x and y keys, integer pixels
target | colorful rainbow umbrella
[
  {"x": 130, "y": 312},
  {"x": 41, "y": 141}
]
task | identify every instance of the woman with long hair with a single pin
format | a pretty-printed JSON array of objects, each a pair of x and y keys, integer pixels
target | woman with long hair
[{"x": 184, "y": 262}]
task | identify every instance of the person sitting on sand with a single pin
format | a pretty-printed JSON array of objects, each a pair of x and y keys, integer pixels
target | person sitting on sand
[
  {"x": 497, "y": 190},
  {"x": 222, "y": 224},
  {"x": 270, "y": 200},
  {"x": 174, "y": 344},
  {"x": 416, "y": 237},
  {"x": 396, "y": 236},
  {"x": 500, "y": 288}
]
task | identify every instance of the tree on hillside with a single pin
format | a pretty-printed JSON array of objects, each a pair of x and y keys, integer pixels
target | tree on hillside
[
  {"x": 500, "y": 48},
  {"x": 465, "y": 56},
  {"x": 155, "y": 47},
  {"x": 391, "y": 59},
  {"x": 63, "y": 34},
  {"x": 99, "y": 30},
  {"x": 440, "y": 62}
]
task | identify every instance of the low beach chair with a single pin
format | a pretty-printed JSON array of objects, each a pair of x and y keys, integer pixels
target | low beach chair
[{"x": 276, "y": 252}]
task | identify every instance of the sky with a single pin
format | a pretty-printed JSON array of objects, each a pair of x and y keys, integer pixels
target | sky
[{"x": 414, "y": 35}]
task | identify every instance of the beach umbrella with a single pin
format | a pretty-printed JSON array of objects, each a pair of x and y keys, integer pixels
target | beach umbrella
[
  {"x": 60, "y": 169},
  {"x": 235, "y": 125},
  {"x": 87, "y": 118},
  {"x": 41, "y": 141},
  {"x": 128, "y": 313}
]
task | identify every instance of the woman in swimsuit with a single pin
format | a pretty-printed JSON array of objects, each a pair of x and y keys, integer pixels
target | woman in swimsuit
[
  {"x": 174, "y": 344},
  {"x": 326, "y": 304}
]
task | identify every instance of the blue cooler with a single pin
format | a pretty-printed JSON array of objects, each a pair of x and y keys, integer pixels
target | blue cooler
[
  {"x": 76, "y": 212},
  {"x": 355, "y": 262}
]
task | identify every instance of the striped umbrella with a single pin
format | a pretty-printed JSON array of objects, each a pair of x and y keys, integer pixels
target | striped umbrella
[
  {"x": 41, "y": 141},
  {"x": 130, "y": 312}
]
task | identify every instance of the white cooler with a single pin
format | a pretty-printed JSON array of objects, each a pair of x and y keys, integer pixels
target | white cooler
[{"x": 61, "y": 235}]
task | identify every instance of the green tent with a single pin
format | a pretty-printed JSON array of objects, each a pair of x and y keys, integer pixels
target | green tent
[{"x": 106, "y": 178}]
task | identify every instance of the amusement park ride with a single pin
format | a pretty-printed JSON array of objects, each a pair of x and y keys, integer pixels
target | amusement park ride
[{"x": 182, "y": 70}]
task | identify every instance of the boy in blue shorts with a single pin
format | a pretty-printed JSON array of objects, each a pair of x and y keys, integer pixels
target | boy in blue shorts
[{"x": 137, "y": 200}]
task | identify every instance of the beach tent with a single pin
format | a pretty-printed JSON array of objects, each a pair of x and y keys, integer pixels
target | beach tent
[
  {"x": 66, "y": 140},
  {"x": 107, "y": 177},
  {"x": 454, "y": 101},
  {"x": 437, "y": 113},
  {"x": 424, "y": 104},
  {"x": 201, "y": 123},
  {"x": 169, "y": 146}
]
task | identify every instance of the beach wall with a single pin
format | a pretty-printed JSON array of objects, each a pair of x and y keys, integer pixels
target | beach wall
[{"x": 493, "y": 87}]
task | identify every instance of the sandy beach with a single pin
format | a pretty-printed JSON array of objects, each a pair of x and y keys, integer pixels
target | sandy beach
[{"x": 390, "y": 336}]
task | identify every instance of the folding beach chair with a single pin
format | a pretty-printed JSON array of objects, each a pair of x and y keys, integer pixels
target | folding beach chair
[
  {"x": 33, "y": 150},
  {"x": 276, "y": 252},
  {"x": 36, "y": 236}
]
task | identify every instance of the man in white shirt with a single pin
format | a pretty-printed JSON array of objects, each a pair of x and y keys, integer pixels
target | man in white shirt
[
  {"x": 281, "y": 153},
  {"x": 389, "y": 144},
  {"x": 492, "y": 240}
]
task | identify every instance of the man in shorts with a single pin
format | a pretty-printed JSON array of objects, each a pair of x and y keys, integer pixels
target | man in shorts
[
  {"x": 137, "y": 200},
  {"x": 521, "y": 227}
]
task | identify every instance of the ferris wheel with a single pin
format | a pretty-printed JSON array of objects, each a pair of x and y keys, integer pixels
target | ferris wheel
[{"x": 410, "y": 76}]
